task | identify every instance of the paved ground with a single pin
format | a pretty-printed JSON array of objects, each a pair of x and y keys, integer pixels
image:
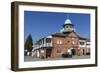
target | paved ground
[{"x": 29, "y": 58}]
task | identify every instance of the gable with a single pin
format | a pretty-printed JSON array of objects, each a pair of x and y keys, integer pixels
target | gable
[{"x": 73, "y": 34}]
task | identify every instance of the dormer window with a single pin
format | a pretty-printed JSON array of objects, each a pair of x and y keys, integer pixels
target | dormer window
[{"x": 67, "y": 26}]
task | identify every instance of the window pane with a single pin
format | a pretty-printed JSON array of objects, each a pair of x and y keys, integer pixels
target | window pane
[{"x": 81, "y": 43}]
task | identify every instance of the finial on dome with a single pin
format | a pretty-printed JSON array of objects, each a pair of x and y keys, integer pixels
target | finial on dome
[
  {"x": 68, "y": 21},
  {"x": 67, "y": 16}
]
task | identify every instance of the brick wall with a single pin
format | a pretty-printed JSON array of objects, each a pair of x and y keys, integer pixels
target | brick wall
[{"x": 66, "y": 43}]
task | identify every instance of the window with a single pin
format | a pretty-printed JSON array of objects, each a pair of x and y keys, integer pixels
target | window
[
  {"x": 59, "y": 41},
  {"x": 42, "y": 51},
  {"x": 81, "y": 43},
  {"x": 73, "y": 38},
  {"x": 87, "y": 44},
  {"x": 67, "y": 26},
  {"x": 70, "y": 26},
  {"x": 68, "y": 41},
  {"x": 71, "y": 42},
  {"x": 48, "y": 40}
]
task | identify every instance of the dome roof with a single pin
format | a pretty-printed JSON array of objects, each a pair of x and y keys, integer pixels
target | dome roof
[{"x": 68, "y": 21}]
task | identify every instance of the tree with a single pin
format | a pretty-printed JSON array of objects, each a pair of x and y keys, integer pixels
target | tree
[{"x": 28, "y": 43}]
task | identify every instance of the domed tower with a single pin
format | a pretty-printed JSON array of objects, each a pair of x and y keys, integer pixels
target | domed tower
[{"x": 68, "y": 26}]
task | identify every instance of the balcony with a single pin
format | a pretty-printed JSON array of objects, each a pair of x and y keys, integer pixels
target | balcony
[
  {"x": 43, "y": 45},
  {"x": 46, "y": 45},
  {"x": 82, "y": 46}
]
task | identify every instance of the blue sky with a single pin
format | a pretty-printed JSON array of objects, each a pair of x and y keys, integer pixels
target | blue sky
[{"x": 41, "y": 24}]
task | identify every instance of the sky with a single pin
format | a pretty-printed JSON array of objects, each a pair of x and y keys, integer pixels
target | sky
[{"x": 41, "y": 24}]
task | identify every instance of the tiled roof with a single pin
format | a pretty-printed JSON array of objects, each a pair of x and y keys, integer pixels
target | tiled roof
[
  {"x": 64, "y": 35},
  {"x": 60, "y": 34},
  {"x": 82, "y": 38}
]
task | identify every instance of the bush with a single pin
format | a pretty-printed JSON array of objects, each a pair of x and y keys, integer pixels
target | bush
[
  {"x": 66, "y": 55},
  {"x": 88, "y": 53}
]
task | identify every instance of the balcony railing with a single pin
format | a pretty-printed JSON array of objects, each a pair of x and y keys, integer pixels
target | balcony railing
[
  {"x": 43, "y": 45},
  {"x": 48, "y": 44},
  {"x": 82, "y": 45}
]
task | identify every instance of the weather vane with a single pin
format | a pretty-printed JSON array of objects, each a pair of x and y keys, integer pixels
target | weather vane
[{"x": 67, "y": 16}]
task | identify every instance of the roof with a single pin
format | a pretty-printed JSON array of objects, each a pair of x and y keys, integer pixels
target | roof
[
  {"x": 82, "y": 38},
  {"x": 49, "y": 36},
  {"x": 67, "y": 33},
  {"x": 68, "y": 21},
  {"x": 60, "y": 34}
]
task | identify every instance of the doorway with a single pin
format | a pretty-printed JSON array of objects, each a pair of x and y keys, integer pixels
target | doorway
[{"x": 73, "y": 51}]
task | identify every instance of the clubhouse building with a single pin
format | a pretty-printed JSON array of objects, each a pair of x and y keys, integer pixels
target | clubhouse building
[{"x": 65, "y": 41}]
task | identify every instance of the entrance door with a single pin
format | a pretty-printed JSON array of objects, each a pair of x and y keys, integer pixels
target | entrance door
[
  {"x": 73, "y": 51},
  {"x": 83, "y": 51},
  {"x": 48, "y": 53}
]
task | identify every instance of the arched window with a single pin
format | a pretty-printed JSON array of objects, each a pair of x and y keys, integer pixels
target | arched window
[
  {"x": 59, "y": 41},
  {"x": 67, "y": 26}
]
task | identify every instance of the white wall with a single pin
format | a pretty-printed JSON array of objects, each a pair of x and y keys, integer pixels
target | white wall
[{"x": 5, "y": 28}]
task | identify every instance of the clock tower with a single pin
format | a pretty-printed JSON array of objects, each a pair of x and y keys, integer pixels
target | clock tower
[{"x": 68, "y": 26}]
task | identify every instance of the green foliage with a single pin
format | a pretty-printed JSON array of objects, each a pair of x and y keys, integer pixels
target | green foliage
[
  {"x": 66, "y": 55},
  {"x": 28, "y": 43}
]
